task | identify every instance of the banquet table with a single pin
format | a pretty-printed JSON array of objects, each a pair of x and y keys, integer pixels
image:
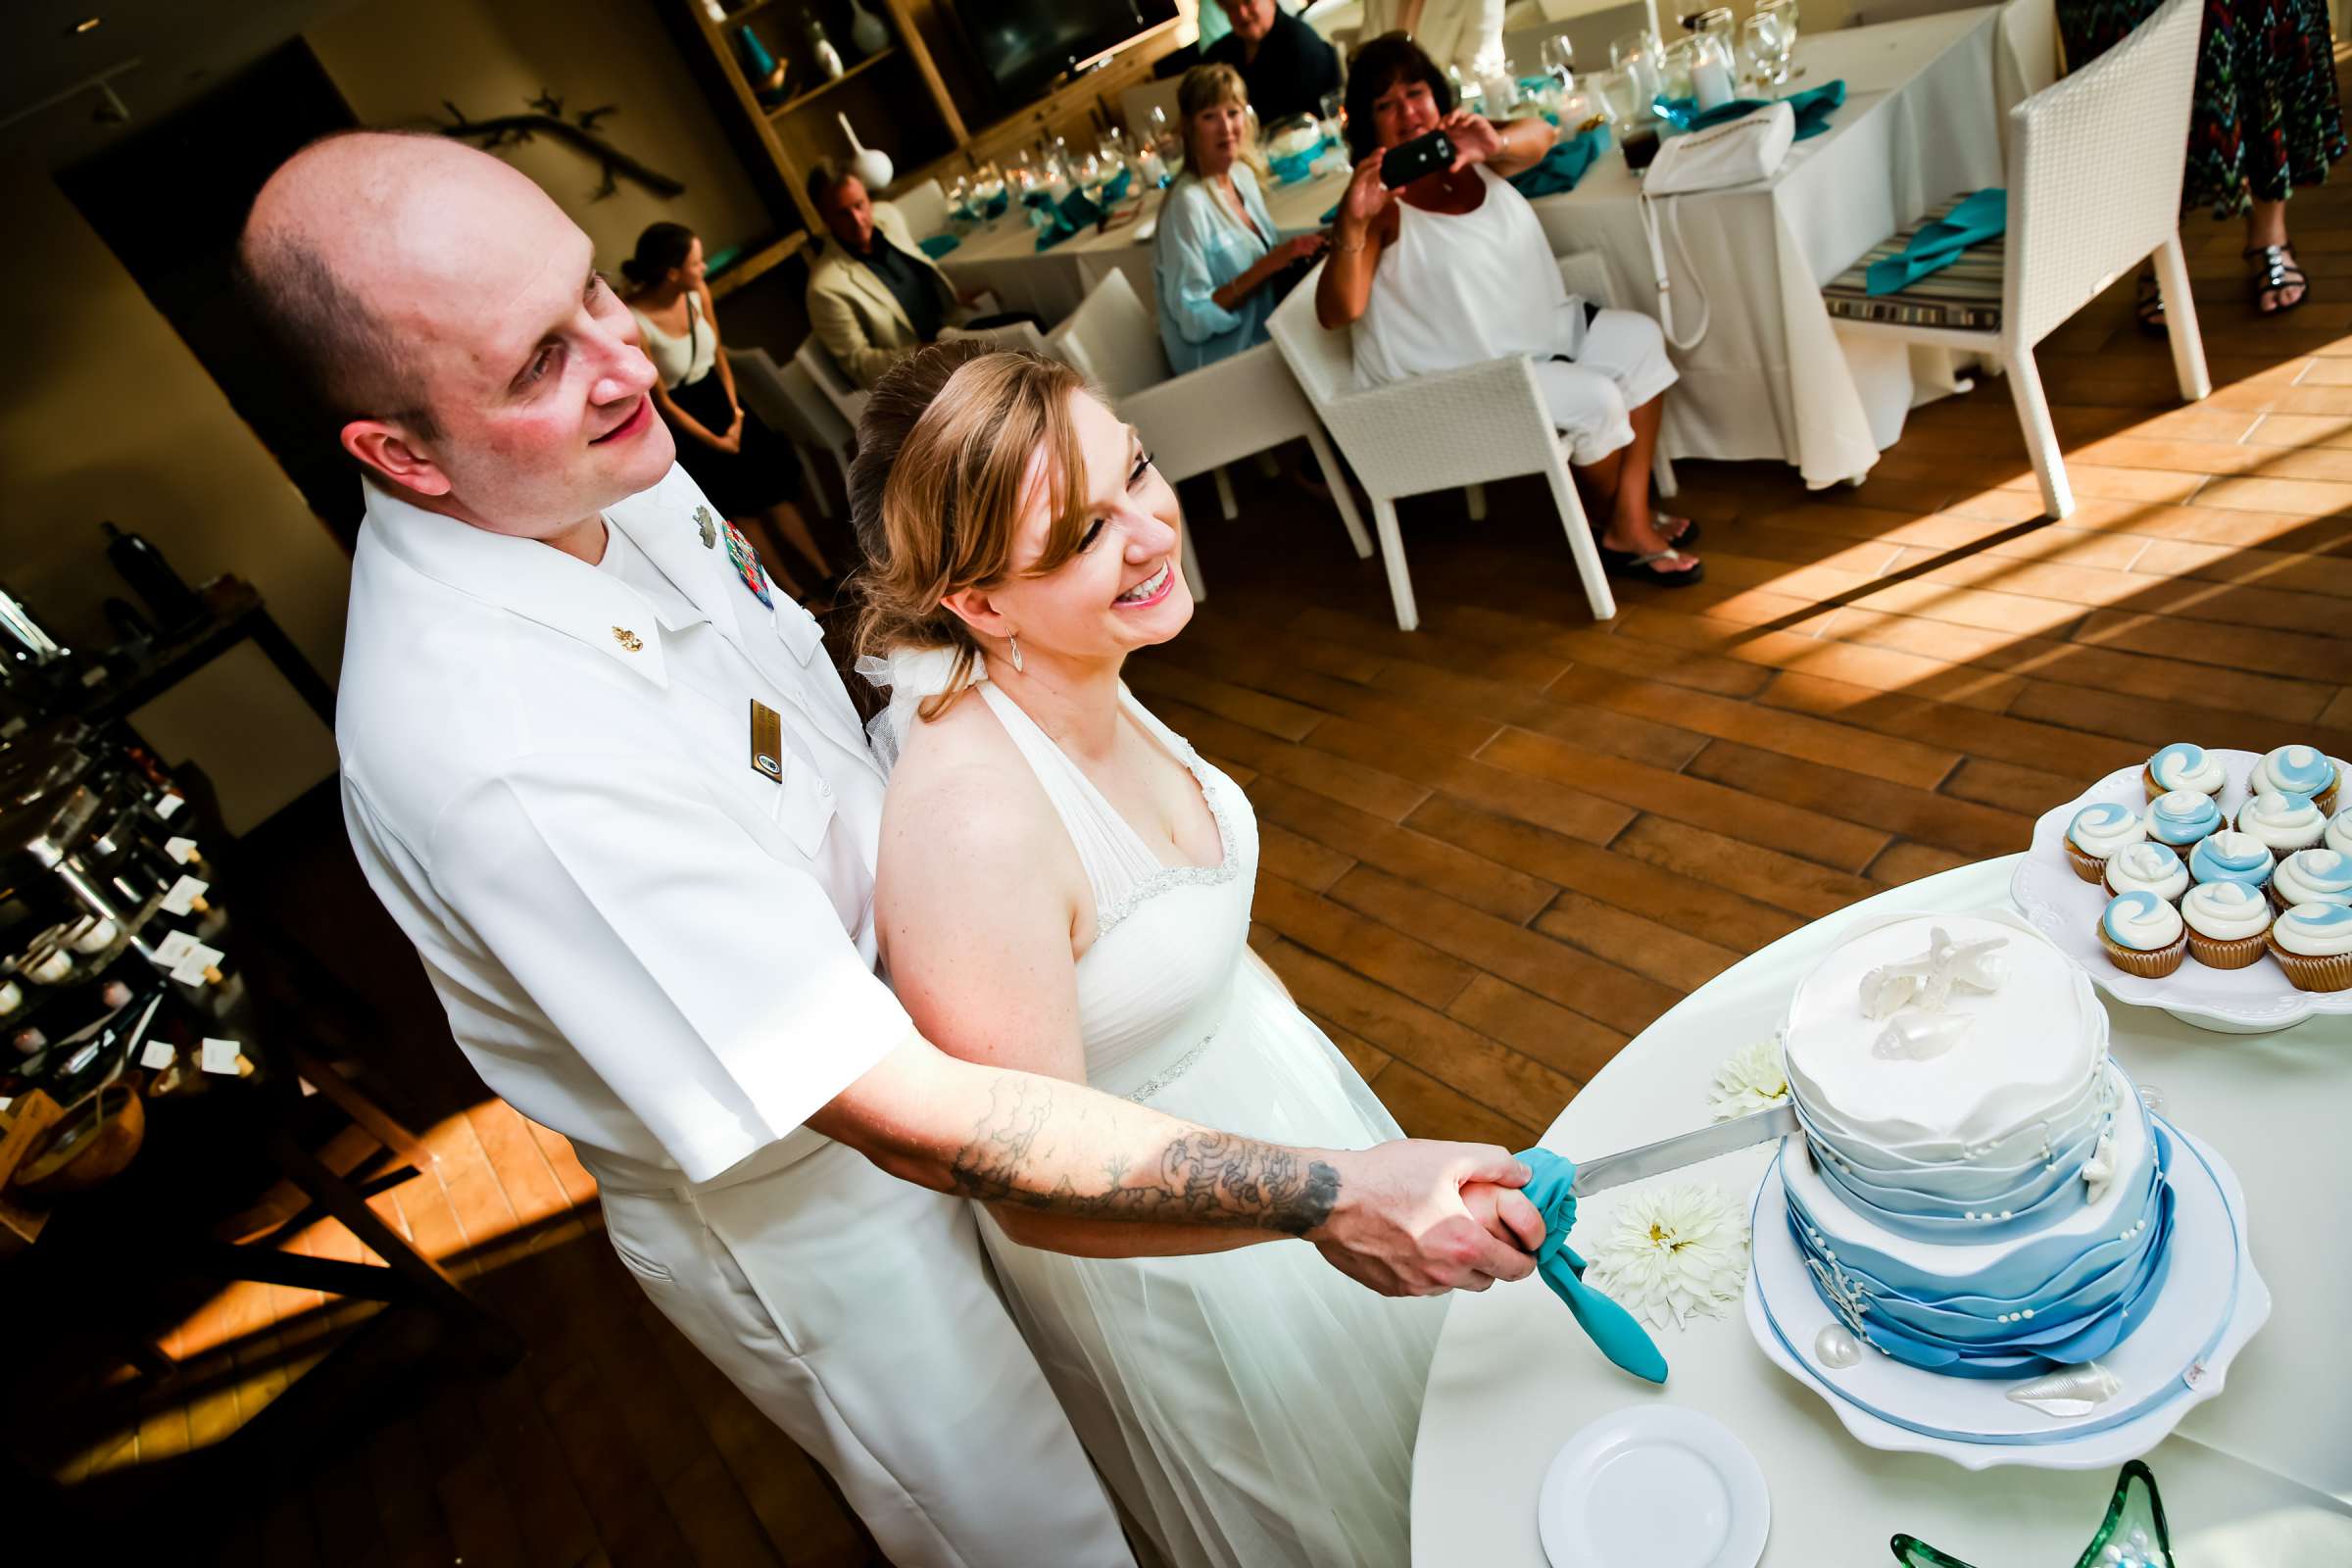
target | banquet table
[{"x": 2260, "y": 1474}]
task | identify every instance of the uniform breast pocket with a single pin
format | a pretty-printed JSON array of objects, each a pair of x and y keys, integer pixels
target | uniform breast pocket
[{"x": 802, "y": 804}]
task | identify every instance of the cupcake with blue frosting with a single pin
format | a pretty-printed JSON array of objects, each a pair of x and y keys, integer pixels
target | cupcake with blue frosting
[
  {"x": 2181, "y": 817},
  {"x": 2312, "y": 876},
  {"x": 2152, "y": 866},
  {"x": 2313, "y": 943},
  {"x": 2284, "y": 823},
  {"x": 2229, "y": 924},
  {"x": 2339, "y": 835},
  {"x": 2142, "y": 935},
  {"x": 2303, "y": 770},
  {"x": 2231, "y": 857},
  {"x": 2099, "y": 831},
  {"x": 2183, "y": 765}
]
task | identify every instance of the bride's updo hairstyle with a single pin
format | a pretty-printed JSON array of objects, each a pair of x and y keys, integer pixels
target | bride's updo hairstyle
[{"x": 948, "y": 452}]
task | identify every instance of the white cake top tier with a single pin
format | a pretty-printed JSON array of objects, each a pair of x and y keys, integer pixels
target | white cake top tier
[{"x": 1989, "y": 1062}]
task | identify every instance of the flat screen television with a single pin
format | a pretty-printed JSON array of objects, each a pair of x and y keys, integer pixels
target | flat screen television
[{"x": 1022, "y": 45}]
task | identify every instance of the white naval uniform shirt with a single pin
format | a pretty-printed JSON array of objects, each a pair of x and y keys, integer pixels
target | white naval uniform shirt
[{"x": 642, "y": 941}]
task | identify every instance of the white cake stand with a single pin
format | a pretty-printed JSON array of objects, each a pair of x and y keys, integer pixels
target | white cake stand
[
  {"x": 2253, "y": 1001},
  {"x": 2209, "y": 1220}
]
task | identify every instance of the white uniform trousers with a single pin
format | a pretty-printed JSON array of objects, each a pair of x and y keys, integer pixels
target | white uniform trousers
[{"x": 851, "y": 1307}]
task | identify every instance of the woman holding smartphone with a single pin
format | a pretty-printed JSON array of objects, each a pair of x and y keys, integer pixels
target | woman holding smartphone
[{"x": 1451, "y": 268}]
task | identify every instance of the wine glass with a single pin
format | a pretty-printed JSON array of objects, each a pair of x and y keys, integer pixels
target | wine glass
[
  {"x": 1783, "y": 13},
  {"x": 1637, "y": 55},
  {"x": 1764, "y": 44},
  {"x": 1558, "y": 56}
]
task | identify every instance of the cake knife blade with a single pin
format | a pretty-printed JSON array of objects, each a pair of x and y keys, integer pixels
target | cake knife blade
[{"x": 1604, "y": 1171}]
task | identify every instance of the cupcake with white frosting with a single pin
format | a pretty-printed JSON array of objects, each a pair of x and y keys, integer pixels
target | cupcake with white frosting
[
  {"x": 2181, "y": 817},
  {"x": 2339, "y": 835},
  {"x": 2152, "y": 866},
  {"x": 2183, "y": 765},
  {"x": 2312, "y": 876},
  {"x": 2099, "y": 831},
  {"x": 2313, "y": 943},
  {"x": 2303, "y": 770},
  {"x": 2231, "y": 857},
  {"x": 2284, "y": 823},
  {"x": 2143, "y": 935},
  {"x": 2229, "y": 924}
]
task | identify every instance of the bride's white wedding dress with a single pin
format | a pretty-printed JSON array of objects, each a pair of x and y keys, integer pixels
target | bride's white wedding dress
[{"x": 1253, "y": 1408}]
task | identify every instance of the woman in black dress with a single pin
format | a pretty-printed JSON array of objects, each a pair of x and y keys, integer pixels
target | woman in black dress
[{"x": 748, "y": 471}]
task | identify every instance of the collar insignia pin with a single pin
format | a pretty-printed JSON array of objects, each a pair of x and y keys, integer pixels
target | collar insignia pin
[
  {"x": 629, "y": 641},
  {"x": 709, "y": 526}
]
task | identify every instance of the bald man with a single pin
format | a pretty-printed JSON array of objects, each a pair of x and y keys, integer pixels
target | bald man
[{"x": 609, "y": 786}]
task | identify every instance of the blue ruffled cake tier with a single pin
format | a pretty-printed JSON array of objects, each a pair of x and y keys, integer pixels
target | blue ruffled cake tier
[{"x": 2055, "y": 1301}]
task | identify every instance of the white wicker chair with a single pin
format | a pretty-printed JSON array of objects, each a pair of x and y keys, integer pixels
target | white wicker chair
[
  {"x": 924, "y": 206},
  {"x": 847, "y": 397},
  {"x": 2094, "y": 187},
  {"x": 787, "y": 399},
  {"x": 1439, "y": 432},
  {"x": 1200, "y": 420}
]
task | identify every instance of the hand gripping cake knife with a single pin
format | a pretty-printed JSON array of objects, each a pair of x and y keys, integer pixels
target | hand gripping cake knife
[{"x": 1604, "y": 1171}]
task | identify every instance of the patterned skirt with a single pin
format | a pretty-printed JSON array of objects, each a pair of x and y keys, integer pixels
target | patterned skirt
[{"x": 2266, "y": 117}]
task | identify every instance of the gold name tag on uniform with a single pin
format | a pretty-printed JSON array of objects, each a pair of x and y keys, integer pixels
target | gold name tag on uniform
[{"x": 767, "y": 740}]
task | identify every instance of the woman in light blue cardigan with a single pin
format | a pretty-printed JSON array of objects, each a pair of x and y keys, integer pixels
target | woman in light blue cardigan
[{"x": 1217, "y": 250}]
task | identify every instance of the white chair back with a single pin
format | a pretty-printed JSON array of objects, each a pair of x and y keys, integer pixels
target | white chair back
[
  {"x": 1324, "y": 362},
  {"x": 925, "y": 209},
  {"x": 812, "y": 355},
  {"x": 1111, "y": 340},
  {"x": 1137, "y": 103},
  {"x": 2095, "y": 171}
]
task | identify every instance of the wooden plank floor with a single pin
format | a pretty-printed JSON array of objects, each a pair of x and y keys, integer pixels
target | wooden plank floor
[{"x": 1494, "y": 850}]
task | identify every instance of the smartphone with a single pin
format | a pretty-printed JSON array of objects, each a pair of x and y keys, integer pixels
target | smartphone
[{"x": 1408, "y": 161}]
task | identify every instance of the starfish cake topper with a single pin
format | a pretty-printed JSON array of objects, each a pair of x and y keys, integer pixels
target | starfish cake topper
[{"x": 1928, "y": 981}]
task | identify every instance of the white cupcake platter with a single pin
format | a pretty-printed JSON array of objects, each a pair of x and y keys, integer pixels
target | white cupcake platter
[
  {"x": 2208, "y": 1307},
  {"x": 2255, "y": 1000}
]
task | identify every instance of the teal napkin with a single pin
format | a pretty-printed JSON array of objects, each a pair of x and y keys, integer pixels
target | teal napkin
[
  {"x": 1563, "y": 166},
  {"x": 1621, "y": 1338},
  {"x": 1812, "y": 109},
  {"x": 937, "y": 245},
  {"x": 1074, "y": 213},
  {"x": 1980, "y": 216},
  {"x": 1116, "y": 188}
]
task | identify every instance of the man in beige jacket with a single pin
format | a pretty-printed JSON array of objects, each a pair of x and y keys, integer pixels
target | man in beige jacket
[{"x": 873, "y": 296}]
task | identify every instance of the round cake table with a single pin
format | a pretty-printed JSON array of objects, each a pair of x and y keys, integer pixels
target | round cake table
[{"x": 2261, "y": 1474}]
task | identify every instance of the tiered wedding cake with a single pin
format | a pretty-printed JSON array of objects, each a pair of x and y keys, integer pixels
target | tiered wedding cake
[{"x": 1980, "y": 1191}]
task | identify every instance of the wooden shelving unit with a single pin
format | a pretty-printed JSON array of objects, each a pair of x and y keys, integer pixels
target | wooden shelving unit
[{"x": 915, "y": 98}]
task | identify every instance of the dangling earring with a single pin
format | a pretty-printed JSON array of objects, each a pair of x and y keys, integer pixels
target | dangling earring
[{"x": 1016, "y": 641}]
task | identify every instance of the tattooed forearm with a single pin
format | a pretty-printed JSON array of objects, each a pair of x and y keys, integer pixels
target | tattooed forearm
[{"x": 1199, "y": 1177}]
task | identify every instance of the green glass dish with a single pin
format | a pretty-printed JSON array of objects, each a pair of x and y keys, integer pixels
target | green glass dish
[{"x": 2132, "y": 1535}]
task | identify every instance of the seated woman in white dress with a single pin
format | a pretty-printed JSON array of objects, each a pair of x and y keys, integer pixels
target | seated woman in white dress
[
  {"x": 1064, "y": 887},
  {"x": 1216, "y": 255},
  {"x": 1453, "y": 269}
]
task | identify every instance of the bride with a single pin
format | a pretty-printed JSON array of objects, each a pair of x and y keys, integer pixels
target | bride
[{"x": 1064, "y": 887}]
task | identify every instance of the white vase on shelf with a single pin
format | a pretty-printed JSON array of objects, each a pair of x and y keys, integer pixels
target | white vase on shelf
[{"x": 866, "y": 31}]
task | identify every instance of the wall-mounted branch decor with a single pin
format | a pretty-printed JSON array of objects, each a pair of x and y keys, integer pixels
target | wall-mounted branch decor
[{"x": 581, "y": 131}]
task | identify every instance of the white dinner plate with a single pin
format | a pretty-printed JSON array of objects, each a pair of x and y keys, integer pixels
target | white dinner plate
[
  {"x": 2064, "y": 908},
  {"x": 1653, "y": 1485}
]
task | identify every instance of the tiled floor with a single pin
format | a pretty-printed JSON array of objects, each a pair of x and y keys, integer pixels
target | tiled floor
[{"x": 1494, "y": 850}]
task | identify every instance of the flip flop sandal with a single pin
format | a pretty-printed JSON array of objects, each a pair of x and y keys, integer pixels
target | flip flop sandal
[
  {"x": 2277, "y": 273},
  {"x": 1682, "y": 538},
  {"x": 1625, "y": 564},
  {"x": 2147, "y": 307}
]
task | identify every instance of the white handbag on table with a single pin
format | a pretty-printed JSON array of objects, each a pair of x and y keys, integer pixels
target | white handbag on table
[{"x": 1742, "y": 152}]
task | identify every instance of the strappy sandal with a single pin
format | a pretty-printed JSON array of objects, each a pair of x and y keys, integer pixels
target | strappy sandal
[
  {"x": 2147, "y": 308},
  {"x": 1682, "y": 537},
  {"x": 2275, "y": 273},
  {"x": 1644, "y": 566}
]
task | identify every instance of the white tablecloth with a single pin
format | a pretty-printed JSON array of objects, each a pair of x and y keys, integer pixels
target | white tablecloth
[
  {"x": 2260, "y": 1474},
  {"x": 1772, "y": 379}
]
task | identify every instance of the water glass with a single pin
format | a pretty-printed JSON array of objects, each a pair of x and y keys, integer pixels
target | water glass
[
  {"x": 1560, "y": 59},
  {"x": 1637, "y": 55},
  {"x": 1784, "y": 16},
  {"x": 1765, "y": 41},
  {"x": 1616, "y": 96}
]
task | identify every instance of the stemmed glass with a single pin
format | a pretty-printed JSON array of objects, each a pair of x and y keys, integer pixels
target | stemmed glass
[
  {"x": 1637, "y": 55},
  {"x": 1769, "y": 40},
  {"x": 1560, "y": 59}
]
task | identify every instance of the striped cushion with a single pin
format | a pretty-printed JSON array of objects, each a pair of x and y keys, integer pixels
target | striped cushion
[{"x": 1965, "y": 296}]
